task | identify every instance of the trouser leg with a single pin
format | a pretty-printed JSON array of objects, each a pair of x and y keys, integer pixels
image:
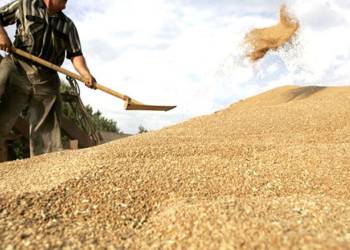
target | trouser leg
[
  {"x": 14, "y": 101},
  {"x": 3, "y": 82},
  {"x": 3, "y": 152},
  {"x": 7, "y": 69},
  {"x": 15, "y": 96},
  {"x": 44, "y": 114},
  {"x": 10, "y": 108},
  {"x": 44, "y": 130},
  {"x": 3, "y": 77}
]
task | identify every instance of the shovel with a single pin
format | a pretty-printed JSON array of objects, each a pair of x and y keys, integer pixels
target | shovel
[{"x": 129, "y": 103}]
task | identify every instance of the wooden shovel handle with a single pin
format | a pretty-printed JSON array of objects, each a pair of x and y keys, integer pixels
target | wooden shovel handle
[{"x": 68, "y": 73}]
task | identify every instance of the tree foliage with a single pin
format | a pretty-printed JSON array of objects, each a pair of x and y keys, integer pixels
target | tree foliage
[
  {"x": 142, "y": 129},
  {"x": 100, "y": 122}
]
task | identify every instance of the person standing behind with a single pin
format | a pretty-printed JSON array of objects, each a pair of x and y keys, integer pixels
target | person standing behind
[{"x": 43, "y": 30}]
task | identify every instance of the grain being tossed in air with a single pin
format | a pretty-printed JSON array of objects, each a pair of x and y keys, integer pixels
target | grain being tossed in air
[{"x": 260, "y": 41}]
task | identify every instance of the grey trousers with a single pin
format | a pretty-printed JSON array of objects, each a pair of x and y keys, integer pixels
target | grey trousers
[{"x": 22, "y": 87}]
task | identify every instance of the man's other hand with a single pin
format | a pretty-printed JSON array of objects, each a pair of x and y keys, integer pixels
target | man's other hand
[{"x": 5, "y": 42}]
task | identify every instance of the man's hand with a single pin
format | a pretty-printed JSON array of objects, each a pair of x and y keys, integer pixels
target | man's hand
[
  {"x": 5, "y": 42},
  {"x": 90, "y": 81}
]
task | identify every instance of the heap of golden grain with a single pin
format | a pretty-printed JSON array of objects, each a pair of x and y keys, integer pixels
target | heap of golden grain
[{"x": 272, "y": 171}]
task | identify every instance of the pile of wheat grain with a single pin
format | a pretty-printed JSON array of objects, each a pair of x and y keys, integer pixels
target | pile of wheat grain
[
  {"x": 260, "y": 41},
  {"x": 271, "y": 172}
]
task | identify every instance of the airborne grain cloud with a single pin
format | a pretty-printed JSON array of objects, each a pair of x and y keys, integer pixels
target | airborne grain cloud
[{"x": 261, "y": 41}]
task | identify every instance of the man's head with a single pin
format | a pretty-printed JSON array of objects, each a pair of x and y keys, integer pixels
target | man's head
[{"x": 55, "y": 6}]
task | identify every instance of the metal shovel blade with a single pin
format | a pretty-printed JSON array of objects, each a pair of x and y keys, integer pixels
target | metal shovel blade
[{"x": 134, "y": 106}]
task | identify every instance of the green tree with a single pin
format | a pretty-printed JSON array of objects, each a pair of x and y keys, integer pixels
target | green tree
[
  {"x": 142, "y": 129},
  {"x": 100, "y": 122}
]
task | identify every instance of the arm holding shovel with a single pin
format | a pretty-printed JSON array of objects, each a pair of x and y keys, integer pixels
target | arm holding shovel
[{"x": 80, "y": 65}]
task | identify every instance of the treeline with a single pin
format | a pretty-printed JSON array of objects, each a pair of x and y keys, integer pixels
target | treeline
[
  {"x": 71, "y": 111},
  {"x": 100, "y": 122}
]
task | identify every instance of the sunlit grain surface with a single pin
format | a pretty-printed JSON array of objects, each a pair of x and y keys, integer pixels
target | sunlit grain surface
[{"x": 269, "y": 172}]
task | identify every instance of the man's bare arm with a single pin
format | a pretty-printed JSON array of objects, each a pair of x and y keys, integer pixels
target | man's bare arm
[
  {"x": 80, "y": 65},
  {"x": 5, "y": 42}
]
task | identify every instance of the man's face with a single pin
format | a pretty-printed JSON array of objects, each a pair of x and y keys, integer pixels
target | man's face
[{"x": 58, "y": 5}]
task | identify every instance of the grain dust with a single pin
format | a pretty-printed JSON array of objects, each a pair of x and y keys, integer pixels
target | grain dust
[{"x": 260, "y": 41}]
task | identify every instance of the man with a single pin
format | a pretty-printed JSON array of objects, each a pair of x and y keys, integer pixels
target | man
[{"x": 44, "y": 31}]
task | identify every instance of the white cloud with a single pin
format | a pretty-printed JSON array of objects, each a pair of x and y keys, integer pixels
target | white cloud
[{"x": 323, "y": 45}]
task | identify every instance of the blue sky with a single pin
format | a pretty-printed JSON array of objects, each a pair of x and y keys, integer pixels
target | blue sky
[{"x": 189, "y": 53}]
